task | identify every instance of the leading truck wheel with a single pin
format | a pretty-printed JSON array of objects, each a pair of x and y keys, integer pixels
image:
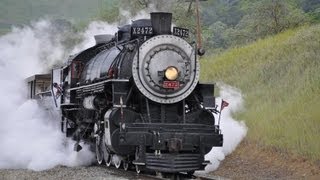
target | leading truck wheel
[
  {"x": 107, "y": 157},
  {"x": 106, "y": 153},
  {"x": 99, "y": 153},
  {"x": 99, "y": 146}
]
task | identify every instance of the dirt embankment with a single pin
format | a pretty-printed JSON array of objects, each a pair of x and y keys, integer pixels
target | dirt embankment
[{"x": 250, "y": 161}]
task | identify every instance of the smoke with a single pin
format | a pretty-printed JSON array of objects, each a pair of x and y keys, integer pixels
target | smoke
[
  {"x": 29, "y": 138},
  {"x": 100, "y": 27},
  {"x": 126, "y": 16},
  {"x": 233, "y": 131},
  {"x": 162, "y": 5},
  {"x": 94, "y": 28}
]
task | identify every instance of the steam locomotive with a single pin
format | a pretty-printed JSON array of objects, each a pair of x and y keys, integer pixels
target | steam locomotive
[{"x": 136, "y": 97}]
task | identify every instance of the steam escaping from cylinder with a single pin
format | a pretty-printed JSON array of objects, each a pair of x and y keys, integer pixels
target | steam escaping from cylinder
[
  {"x": 31, "y": 138},
  {"x": 233, "y": 130}
]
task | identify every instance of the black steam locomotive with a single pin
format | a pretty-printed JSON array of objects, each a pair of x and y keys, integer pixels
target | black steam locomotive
[{"x": 136, "y": 96}]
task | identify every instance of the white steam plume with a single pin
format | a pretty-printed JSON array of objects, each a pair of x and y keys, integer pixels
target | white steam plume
[
  {"x": 94, "y": 28},
  {"x": 100, "y": 27},
  {"x": 233, "y": 131},
  {"x": 29, "y": 139}
]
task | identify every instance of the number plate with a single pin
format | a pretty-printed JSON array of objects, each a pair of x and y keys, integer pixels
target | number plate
[
  {"x": 181, "y": 32},
  {"x": 142, "y": 31},
  {"x": 171, "y": 84}
]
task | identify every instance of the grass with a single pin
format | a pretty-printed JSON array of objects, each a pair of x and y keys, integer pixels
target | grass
[{"x": 280, "y": 79}]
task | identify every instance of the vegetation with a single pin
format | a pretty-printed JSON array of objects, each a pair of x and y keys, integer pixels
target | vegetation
[
  {"x": 240, "y": 22},
  {"x": 280, "y": 79},
  {"x": 226, "y": 24}
]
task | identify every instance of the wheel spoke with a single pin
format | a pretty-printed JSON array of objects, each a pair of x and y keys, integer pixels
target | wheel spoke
[
  {"x": 125, "y": 165},
  {"x": 138, "y": 170},
  {"x": 99, "y": 150},
  {"x": 117, "y": 162},
  {"x": 108, "y": 162},
  {"x": 118, "y": 165}
]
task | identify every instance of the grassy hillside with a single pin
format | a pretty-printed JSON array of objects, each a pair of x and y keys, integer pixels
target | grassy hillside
[{"x": 280, "y": 80}]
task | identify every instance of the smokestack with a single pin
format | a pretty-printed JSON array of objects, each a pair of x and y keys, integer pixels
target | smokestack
[{"x": 161, "y": 22}]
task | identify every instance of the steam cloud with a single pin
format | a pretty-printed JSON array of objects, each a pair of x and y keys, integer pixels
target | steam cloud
[
  {"x": 233, "y": 131},
  {"x": 29, "y": 139},
  {"x": 94, "y": 28}
]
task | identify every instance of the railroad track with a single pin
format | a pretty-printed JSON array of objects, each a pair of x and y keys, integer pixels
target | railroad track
[
  {"x": 93, "y": 172},
  {"x": 131, "y": 174},
  {"x": 187, "y": 177}
]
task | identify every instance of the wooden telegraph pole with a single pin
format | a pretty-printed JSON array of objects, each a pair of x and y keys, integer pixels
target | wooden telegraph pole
[{"x": 201, "y": 51}]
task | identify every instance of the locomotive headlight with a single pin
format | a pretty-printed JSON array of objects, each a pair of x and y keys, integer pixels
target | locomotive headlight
[{"x": 171, "y": 73}]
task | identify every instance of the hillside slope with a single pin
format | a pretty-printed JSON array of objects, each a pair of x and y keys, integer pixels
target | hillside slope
[{"x": 280, "y": 79}]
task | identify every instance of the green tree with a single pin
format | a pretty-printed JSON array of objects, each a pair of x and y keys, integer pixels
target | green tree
[
  {"x": 312, "y": 7},
  {"x": 269, "y": 17}
]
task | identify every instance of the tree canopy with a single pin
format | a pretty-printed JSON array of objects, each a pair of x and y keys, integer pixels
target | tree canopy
[{"x": 226, "y": 23}]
